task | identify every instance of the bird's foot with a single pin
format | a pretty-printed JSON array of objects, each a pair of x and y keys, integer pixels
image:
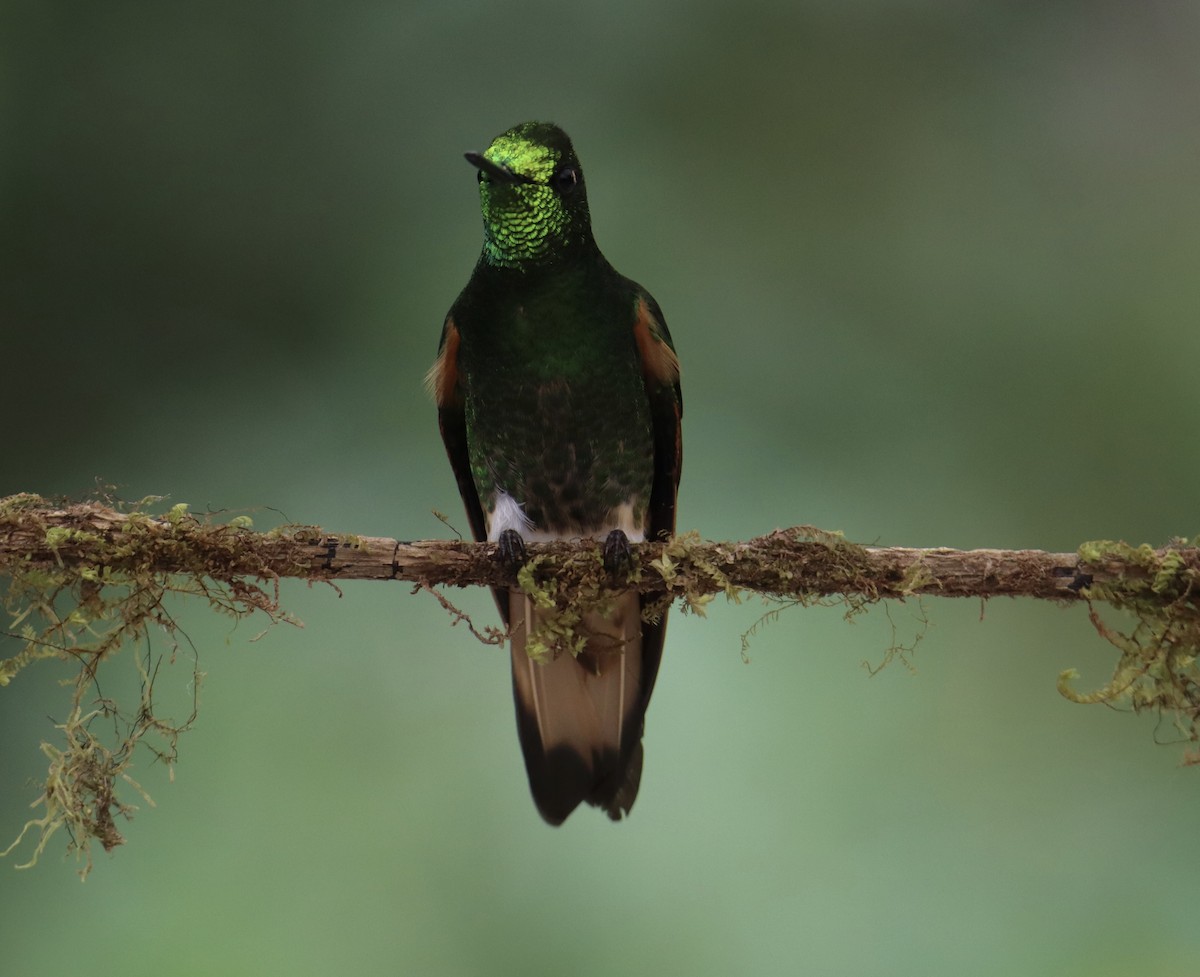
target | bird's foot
[
  {"x": 510, "y": 550},
  {"x": 618, "y": 554}
]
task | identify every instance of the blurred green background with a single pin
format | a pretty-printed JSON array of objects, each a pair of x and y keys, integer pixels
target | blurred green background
[{"x": 931, "y": 270}]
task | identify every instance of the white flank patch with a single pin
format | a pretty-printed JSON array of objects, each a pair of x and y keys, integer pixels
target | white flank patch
[
  {"x": 622, "y": 517},
  {"x": 508, "y": 513}
]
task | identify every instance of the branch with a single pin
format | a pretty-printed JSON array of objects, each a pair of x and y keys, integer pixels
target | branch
[
  {"x": 87, "y": 578},
  {"x": 789, "y": 563}
]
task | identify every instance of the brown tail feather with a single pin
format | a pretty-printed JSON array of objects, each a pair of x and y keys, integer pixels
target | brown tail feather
[{"x": 580, "y": 718}]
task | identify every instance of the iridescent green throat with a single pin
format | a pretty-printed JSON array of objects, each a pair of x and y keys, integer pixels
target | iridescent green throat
[{"x": 522, "y": 222}]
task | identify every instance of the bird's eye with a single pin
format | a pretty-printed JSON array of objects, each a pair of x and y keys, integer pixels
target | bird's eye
[{"x": 565, "y": 180}]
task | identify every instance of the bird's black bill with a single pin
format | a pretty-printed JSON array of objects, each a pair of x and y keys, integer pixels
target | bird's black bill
[{"x": 501, "y": 173}]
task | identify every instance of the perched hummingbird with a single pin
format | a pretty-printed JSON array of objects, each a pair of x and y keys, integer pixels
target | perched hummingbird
[{"x": 558, "y": 398}]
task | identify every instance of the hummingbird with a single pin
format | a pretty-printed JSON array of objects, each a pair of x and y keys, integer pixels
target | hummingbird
[{"x": 557, "y": 389}]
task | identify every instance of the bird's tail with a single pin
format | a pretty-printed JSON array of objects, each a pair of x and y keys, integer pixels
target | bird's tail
[{"x": 580, "y": 717}]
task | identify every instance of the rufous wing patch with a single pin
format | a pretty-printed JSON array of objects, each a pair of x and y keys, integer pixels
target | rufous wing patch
[
  {"x": 442, "y": 378},
  {"x": 659, "y": 362}
]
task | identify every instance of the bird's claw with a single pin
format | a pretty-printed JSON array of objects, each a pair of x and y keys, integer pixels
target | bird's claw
[
  {"x": 618, "y": 553},
  {"x": 510, "y": 550}
]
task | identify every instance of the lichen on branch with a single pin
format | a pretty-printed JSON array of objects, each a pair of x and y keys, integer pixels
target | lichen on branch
[
  {"x": 1159, "y": 590},
  {"x": 79, "y": 584},
  {"x": 85, "y": 579}
]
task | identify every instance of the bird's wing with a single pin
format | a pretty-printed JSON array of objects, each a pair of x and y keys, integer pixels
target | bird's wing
[
  {"x": 660, "y": 370},
  {"x": 444, "y": 384}
]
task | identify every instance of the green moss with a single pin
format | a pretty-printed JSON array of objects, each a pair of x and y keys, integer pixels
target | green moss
[
  {"x": 109, "y": 593},
  {"x": 561, "y": 610},
  {"x": 1158, "y": 593},
  {"x": 684, "y": 550},
  {"x": 57, "y": 537},
  {"x": 917, "y": 577}
]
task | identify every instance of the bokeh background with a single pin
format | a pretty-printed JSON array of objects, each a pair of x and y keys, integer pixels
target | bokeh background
[{"x": 931, "y": 270}]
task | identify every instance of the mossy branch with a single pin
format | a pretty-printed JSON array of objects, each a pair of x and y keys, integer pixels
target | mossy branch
[
  {"x": 86, "y": 578},
  {"x": 790, "y": 563}
]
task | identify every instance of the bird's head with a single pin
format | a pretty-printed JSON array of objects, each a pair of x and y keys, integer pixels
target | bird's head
[{"x": 533, "y": 198}]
